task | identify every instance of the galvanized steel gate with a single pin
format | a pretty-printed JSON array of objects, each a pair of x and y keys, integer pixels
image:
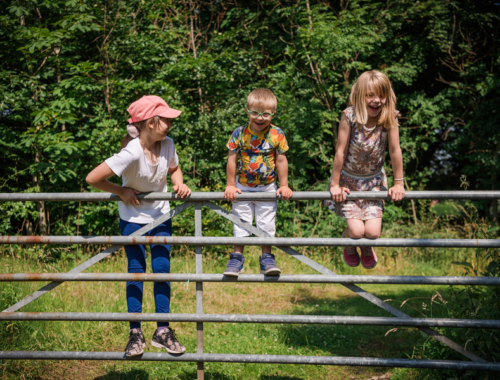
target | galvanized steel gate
[{"x": 327, "y": 276}]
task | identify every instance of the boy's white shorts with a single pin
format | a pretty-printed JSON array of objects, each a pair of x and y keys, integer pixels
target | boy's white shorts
[{"x": 264, "y": 211}]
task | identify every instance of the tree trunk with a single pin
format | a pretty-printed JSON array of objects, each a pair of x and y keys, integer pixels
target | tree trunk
[
  {"x": 57, "y": 50},
  {"x": 200, "y": 91},
  {"x": 309, "y": 15},
  {"x": 42, "y": 221}
]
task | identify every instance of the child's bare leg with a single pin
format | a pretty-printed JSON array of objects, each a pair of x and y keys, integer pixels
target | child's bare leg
[
  {"x": 266, "y": 249},
  {"x": 355, "y": 229},
  {"x": 372, "y": 231},
  {"x": 373, "y": 228},
  {"x": 239, "y": 248}
]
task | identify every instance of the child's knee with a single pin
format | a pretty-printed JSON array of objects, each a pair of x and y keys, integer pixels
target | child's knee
[
  {"x": 161, "y": 260},
  {"x": 372, "y": 234},
  {"x": 161, "y": 266},
  {"x": 356, "y": 233}
]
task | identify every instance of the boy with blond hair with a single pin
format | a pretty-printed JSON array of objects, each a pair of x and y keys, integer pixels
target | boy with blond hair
[{"x": 256, "y": 159}]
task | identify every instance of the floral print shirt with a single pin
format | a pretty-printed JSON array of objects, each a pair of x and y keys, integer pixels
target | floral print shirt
[{"x": 257, "y": 154}]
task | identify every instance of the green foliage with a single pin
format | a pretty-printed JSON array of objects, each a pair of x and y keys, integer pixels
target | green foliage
[
  {"x": 71, "y": 68},
  {"x": 448, "y": 209}
]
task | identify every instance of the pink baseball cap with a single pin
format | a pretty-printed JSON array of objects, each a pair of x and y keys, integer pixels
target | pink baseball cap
[{"x": 150, "y": 106}]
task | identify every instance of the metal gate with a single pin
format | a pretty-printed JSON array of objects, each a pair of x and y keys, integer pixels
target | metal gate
[{"x": 199, "y": 200}]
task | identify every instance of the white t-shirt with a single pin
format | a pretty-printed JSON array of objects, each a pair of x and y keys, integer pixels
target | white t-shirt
[{"x": 139, "y": 174}]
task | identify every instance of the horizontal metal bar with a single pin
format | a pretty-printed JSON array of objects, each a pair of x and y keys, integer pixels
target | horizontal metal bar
[
  {"x": 219, "y": 196},
  {"x": 354, "y": 288},
  {"x": 284, "y": 278},
  {"x": 254, "y": 318},
  {"x": 95, "y": 259},
  {"x": 207, "y": 240},
  {"x": 241, "y": 358}
]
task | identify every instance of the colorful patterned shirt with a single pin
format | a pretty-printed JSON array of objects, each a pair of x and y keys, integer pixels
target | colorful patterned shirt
[{"x": 257, "y": 154}]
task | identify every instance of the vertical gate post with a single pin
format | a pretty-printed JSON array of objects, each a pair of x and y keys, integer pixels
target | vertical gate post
[{"x": 199, "y": 290}]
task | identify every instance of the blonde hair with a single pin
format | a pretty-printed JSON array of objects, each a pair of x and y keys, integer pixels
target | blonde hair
[
  {"x": 378, "y": 83},
  {"x": 140, "y": 125},
  {"x": 262, "y": 98}
]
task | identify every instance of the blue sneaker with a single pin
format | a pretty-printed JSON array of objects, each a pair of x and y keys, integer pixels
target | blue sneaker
[
  {"x": 268, "y": 265},
  {"x": 234, "y": 265}
]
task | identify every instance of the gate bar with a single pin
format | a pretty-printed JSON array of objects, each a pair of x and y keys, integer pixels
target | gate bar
[
  {"x": 254, "y": 318},
  {"x": 219, "y": 196},
  {"x": 283, "y": 278},
  {"x": 199, "y": 291},
  {"x": 265, "y": 359},
  {"x": 354, "y": 288},
  {"x": 95, "y": 259},
  {"x": 210, "y": 240}
]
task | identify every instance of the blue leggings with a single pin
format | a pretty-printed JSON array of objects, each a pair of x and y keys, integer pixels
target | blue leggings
[{"x": 160, "y": 259}]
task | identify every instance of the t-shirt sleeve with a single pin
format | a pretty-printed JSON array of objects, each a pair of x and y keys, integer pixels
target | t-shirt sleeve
[
  {"x": 174, "y": 162},
  {"x": 234, "y": 141},
  {"x": 119, "y": 162},
  {"x": 282, "y": 143}
]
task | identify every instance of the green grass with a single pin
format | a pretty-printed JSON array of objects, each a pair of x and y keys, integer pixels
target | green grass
[{"x": 272, "y": 339}]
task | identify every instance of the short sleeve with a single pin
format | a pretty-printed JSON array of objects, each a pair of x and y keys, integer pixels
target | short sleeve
[
  {"x": 349, "y": 113},
  {"x": 282, "y": 143},
  {"x": 119, "y": 162},
  {"x": 234, "y": 141},
  {"x": 173, "y": 159},
  {"x": 174, "y": 162}
]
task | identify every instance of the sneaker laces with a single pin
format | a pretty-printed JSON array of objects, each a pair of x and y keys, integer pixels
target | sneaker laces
[
  {"x": 351, "y": 250},
  {"x": 234, "y": 261},
  {"x": 134, "y": 338},
  {"x": 367, "y": 251},
  {"x": 269, "y": 259},
  {"x": 170, "y": 333}
]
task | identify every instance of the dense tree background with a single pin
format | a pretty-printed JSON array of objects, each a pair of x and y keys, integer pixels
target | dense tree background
[{"x": 69, "y": 70}]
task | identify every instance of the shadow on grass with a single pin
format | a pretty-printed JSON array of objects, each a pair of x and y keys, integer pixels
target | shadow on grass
[
  {"x": 133, "y": 374},
  {"x": 220, "y": 376},
  {"x": 343, "y": 340},
  {"x": 138, "y": 374}
]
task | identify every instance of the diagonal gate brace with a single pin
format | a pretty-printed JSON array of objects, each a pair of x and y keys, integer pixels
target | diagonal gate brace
[
  {"x": 356, "y": 289},
  {"x": 87, "y": 264}
]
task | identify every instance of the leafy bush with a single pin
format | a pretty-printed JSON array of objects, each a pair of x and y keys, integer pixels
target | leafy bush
[{"x": 451, "y": 209}]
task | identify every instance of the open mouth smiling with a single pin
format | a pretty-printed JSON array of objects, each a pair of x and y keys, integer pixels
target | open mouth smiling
[{"x": 374, "y": 108}]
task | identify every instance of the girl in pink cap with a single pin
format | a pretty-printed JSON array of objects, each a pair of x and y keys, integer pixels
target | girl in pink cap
[{"x": 145, "y": 158}]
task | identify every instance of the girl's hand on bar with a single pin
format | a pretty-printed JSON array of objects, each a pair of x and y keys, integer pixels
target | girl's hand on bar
[
  {"x": 129, "y": 196},
  {"x": 182, "y": 190},
  {"x": 339, "y": 193},
  {"x": 397, "y": 192}
]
